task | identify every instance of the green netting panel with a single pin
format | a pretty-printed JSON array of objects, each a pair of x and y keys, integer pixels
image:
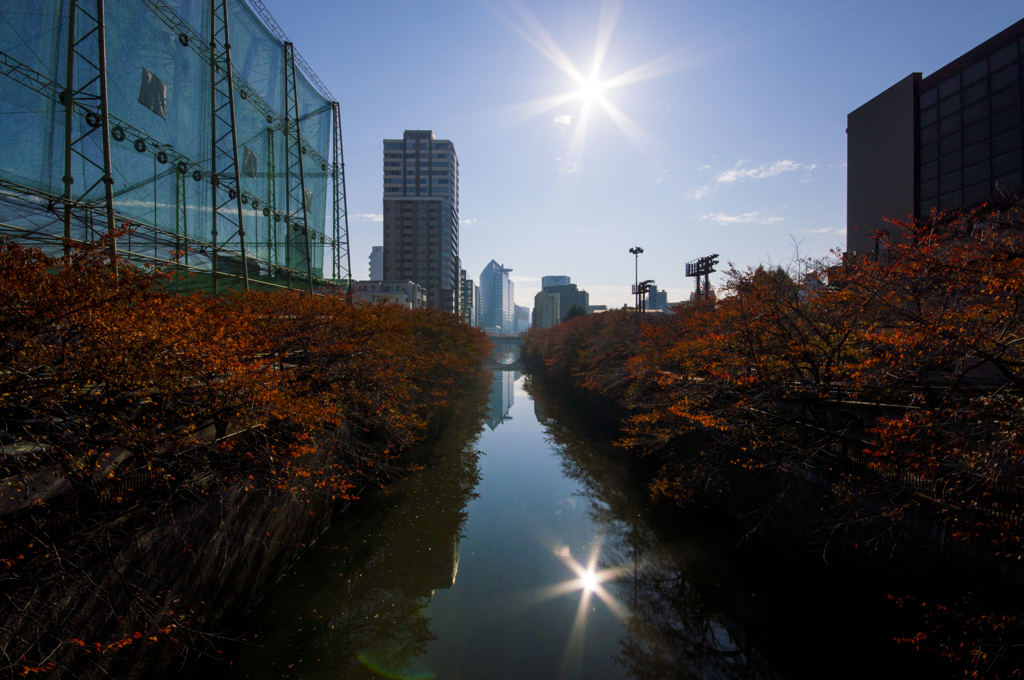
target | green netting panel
[
  {"x": 162, "y": 88},
  {"x": 33, "y": 33}
]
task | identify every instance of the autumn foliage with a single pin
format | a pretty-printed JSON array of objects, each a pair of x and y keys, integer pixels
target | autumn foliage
[
  {"x": 898, "y": 379},
  {"x": 103, "y": 373}
]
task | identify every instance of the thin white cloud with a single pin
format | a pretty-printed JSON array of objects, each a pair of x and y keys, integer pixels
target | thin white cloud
[
  {"x": 762, "y": 171},
  {"x": 567, "y": 167},
  {"x": 565, "y": 120},
  {"x": 700, "y": 193},
  {"x": 369, "y": 217},
  {"x": 468, "y": 221},
  {"x": 756, "y": 217},
  {"x": 704, "y": 167}
]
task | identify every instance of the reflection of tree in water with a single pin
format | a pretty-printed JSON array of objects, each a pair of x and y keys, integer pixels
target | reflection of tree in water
[
  {"x": 672, "y": 632},
  {"x": 358, "y": 600}
]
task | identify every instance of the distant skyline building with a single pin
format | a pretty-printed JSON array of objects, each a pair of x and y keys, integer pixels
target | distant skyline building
[
  {"x": 421, "y": 215},
  {"x": 950, "y": 140},
  {"x": 377, "y": 263},
  {"x": 405, "y": 293},
  {"x": 547, "y": 281},
  {"x": 547, "y": 309},
  {"x": 467, "y": 304},
  {"x": 497, "y": 300},
  {"x": 569, "y": 296},
  {"x": 657, "y": 299},
  {"x": 476, "y": 306},
  {"x": 522, "y": 319}
]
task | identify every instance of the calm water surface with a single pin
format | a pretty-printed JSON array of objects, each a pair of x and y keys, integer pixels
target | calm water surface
[{"x": 522, "y": 551}]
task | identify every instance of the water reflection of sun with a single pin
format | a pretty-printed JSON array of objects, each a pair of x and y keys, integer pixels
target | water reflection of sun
[{"x": 588, "y": 581}]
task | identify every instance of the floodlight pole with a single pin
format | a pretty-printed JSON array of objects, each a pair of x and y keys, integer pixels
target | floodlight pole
[{"x": 636, "y": 273}]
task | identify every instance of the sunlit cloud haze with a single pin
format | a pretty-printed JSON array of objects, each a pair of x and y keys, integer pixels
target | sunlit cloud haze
[{"x": 584, "y": 128}]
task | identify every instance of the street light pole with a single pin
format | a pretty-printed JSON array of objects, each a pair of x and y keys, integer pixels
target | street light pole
[{"x": 636, "y": 284}]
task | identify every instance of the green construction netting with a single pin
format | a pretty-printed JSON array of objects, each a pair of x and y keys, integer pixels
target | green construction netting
[{"x": 162, "y": 88}]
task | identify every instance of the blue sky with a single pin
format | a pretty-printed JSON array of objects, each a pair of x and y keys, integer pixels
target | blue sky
[{"x": 728, "y": 138}]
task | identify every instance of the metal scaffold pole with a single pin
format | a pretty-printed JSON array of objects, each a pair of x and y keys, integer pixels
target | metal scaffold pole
[
  {"x": 339, "y": 236},
  {"x": 108, "y": 175},
  {"x": 69, "y": 119},
  {"x": 294, "y": 150}
]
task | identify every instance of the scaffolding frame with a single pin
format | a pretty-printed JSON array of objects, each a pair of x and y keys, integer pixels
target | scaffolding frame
[{"x": 37, "y": 216}]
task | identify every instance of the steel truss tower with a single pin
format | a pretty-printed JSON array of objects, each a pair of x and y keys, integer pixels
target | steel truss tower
[
  {"x": 339, "y": 236},
  {"x": 87, "y": 61},
  {"x": 226, "y": 183},
  {"x": 294, "y": 150}
]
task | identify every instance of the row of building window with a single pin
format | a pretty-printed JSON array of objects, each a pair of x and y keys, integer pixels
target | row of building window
[
  {"x": 423, "y": 146},
  {"x": 435, "y": 189},
  {"x": 422, "y": 164},
  {"x": 970, "y": 133}
]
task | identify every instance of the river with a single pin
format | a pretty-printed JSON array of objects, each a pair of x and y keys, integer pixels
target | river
[{"x": 528, "y": 548}]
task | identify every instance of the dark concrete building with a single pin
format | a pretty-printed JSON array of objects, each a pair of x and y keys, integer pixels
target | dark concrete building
[
  {"x": 569, "y": 295},
  {"x": 952, "y": 139},
  {"x": 421, "y": 215}
]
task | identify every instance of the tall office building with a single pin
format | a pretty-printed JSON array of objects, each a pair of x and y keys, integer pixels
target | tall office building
[
  {"x": 421, "y": 215},
  {"x": 497, "y": 300},
  {"x": 952, "y": 139},
  {"x": 377, "y": 263}
]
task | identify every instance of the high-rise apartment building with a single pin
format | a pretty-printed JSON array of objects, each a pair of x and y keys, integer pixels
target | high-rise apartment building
[
  {"x": 377, "y": 263},
  {"x": 421, "y": 215},
  {"x": 952, "y": 139},
  {"x": 497, "y": 300}
]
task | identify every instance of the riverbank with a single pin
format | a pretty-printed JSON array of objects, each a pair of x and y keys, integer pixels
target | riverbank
[
  {"x": 785, "y": 486},
  {"x": 167, "y": 456}
]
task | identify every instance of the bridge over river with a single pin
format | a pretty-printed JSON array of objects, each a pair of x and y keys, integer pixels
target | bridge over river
[{"x": 505, "y": 356}]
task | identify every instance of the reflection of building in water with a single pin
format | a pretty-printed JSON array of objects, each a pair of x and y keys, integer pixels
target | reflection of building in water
[{"x": 502, "y": 386}]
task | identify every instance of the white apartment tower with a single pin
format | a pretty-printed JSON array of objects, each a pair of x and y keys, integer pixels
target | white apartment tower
[{"x": 377, "y": 263}]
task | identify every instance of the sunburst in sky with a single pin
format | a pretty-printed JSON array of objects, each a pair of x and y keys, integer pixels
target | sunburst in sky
[{"x": 589, "y": 84}]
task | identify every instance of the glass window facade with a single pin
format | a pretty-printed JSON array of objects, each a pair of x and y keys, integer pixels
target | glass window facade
[{"x": 969, "y": 133}]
